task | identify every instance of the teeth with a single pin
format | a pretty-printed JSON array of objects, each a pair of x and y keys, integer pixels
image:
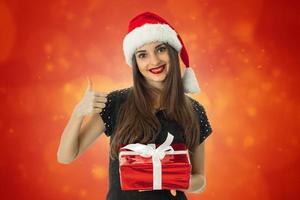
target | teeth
[{"x": 157, "y": 69}]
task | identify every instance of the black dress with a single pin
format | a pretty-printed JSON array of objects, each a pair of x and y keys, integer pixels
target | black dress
[{"x": 109, "y": 115}]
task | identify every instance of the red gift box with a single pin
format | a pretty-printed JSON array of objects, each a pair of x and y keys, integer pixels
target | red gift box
[{"x": 154, "y": 167}]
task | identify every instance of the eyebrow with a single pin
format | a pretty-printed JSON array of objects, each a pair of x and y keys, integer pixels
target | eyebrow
[{"x": 155, "y": 48}]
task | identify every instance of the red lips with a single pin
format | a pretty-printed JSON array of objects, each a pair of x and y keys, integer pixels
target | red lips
[
  {"x": 157, "y": 70},
  {"x": 157, "y": 67}
]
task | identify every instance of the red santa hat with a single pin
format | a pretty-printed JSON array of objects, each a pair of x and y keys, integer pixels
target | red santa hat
[{"x": 149, "y": 27}]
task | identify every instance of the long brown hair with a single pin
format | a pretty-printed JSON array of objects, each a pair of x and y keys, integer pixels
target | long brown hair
[{"x": 136, "y": 121}]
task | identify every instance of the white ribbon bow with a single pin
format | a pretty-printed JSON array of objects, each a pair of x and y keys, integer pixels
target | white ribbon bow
[{"x": 157, "y": 155}]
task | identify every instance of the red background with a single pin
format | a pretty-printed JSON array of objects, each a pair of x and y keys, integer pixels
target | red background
[{"x": 246, "y": 57}]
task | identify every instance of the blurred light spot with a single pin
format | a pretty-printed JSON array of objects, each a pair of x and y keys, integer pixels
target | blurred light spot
[
  {"x": 191, "y": 36},
  {"x": 228, "y": 50},
  {"x": 68, "y": 88},
  {"x": 50, "y": 167},
  {"x": 40, "y": 180},
  {"x": 236, "y": 78},
  {"x": 48, "y": 48},
  {"x": 63, "y": 62},
  {"x": 276, "y": 72},
  {"x": 94, "y": 4},
  {"x": 193, "y": 17},
  {"x": 294, "y": 141},
  {"x": 243, "y": 31},
  {"x": 282, "y": 94},
  {"x": 251, "y": 111},
  {"x": 94, "y": 55},
  {"x": 65, "y": 188},
  {"x": 215, "y": 31},
  {"x": 253, "y": 93},
  {"x": 248, "y": 141},
  {"x": 10, "y": 130},
  {"x": 24, "y": 175},
  {"x": 49, "y": 67},
  {"x": 57, "y": 117},
  {"x": 61, "y": 44},
  {"x": 21, "y": 166},
  {"x": 98, "y": 172},
  {"x": 3, "y": 90},
  {"x": 82, "y": 192},
  {"x": 258, "y": 166},
  {"x": 279, "y": 98},
  {"x": 86, "y": 22},
  {"x": 266, "y": 86},
  {"x": 64, "y": 2},
  {"x": 223, "y": 61},
  {"x": 229, "y": 141},
  {"x": 69, "y": 16},
  {"x": 246, "y": 60},
  {"x": 39, "y": 77},
  {"x": 107, "y": 28}
]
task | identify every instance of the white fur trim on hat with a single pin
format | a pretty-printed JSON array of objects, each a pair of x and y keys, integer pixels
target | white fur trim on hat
[
  {"x": 149, "y": 33},
  {"x": 190, "y": 82}
]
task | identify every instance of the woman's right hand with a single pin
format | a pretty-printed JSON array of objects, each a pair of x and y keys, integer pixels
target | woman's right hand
[{"x": 91, "y": 102}]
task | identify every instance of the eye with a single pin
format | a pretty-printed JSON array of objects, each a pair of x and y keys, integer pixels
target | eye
[
  {"x": 162, "y": 49},
  {"x": 142, "y": 55}
]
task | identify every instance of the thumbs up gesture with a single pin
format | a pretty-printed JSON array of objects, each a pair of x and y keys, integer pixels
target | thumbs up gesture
[{"x": 91, "y": 102}]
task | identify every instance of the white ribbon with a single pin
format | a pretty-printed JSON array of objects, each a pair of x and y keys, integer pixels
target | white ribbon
[{"x": 156, "y": 154}]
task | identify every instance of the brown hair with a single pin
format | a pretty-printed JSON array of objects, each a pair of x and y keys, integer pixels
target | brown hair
[{"x": 136, "y": 121}]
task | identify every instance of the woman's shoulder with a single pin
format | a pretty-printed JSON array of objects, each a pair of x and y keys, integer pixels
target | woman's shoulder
[
  {"x": 119, "y": 94},
  {"x": 205, "y": 126},
  {"x": 121, "y": 91},
  {"x": 195, "y": 103}
]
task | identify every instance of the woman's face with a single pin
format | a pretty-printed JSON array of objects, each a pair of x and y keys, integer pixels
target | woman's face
[{"x": 153, "y": 62}]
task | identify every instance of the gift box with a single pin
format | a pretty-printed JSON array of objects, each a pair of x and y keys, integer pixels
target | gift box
[{"x": 154, "y": 167}]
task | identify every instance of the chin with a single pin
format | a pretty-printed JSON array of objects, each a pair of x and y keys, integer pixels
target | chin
[{"x": 159, "y": 79}]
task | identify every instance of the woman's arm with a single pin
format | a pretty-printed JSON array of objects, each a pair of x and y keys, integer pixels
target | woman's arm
[
  {"x": 90, "y": 132},
  {"x": 68, "y": 146},
  {"x": 75, "y": 139},
  {"x": 198, "y": 180}
]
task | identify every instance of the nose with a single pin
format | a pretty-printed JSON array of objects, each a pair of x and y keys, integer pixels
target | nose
[{"x": 154, "y": 59}]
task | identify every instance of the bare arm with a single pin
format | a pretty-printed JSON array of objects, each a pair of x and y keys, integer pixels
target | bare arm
[
  {"x": 76, "y": 139},
  {"x": 90, "y": 132},
  {"x": 68, "y": 146}
]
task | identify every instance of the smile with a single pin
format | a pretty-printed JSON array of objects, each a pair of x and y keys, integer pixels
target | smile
[{"x": 158, "y": 70}]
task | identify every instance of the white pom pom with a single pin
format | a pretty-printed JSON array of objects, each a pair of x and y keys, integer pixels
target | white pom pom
[{"x": 190, "y": 82}]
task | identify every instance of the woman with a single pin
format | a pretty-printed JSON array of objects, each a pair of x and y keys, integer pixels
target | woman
[{"x": 144, "y": 113}]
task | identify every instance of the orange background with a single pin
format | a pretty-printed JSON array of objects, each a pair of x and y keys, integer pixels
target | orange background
[{"x": 246, "y": 57}]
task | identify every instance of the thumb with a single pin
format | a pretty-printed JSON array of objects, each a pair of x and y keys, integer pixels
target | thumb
[{"x": 90, "y": 85}]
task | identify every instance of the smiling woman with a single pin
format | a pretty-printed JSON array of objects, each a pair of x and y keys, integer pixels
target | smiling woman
[
  {"x": 153, "y": 62},
  {"x": 146, "y": 113}
]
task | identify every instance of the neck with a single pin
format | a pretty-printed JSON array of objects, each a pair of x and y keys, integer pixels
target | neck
[
  {"x": 158, "y": 85},
  {"x": 157, "y": 105}
]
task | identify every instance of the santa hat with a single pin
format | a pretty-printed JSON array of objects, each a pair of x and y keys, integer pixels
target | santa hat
[{"x": 149, "y": 27}]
